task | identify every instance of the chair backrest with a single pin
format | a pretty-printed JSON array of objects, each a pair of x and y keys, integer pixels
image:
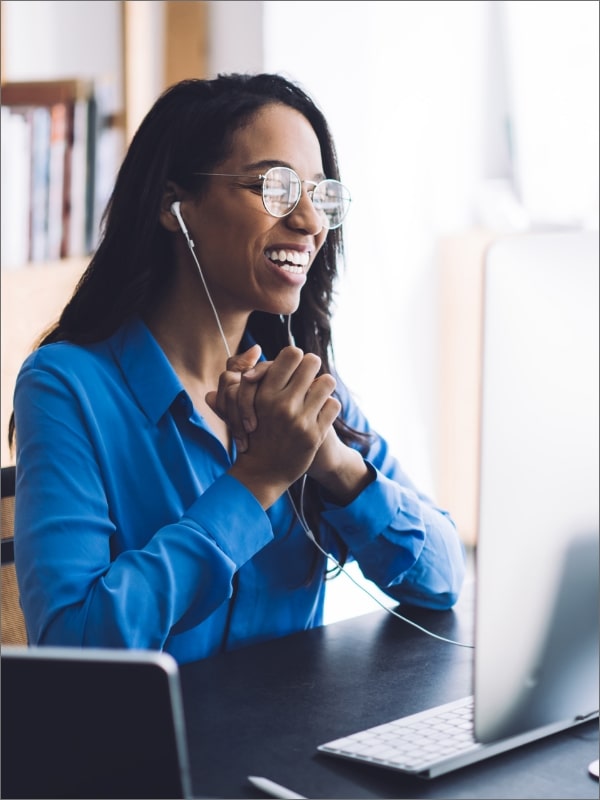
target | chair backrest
[{"x": 13, "y": 624}]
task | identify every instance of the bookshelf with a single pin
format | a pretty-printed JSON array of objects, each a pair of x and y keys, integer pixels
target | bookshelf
[
  {"x": 54, "y": 135},
  {"x": 34, "y": 293}
]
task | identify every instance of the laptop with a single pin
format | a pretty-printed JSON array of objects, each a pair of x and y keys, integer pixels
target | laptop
[
  {"x": 92, "y": 723},
  {"x": 536, "y": 661}
]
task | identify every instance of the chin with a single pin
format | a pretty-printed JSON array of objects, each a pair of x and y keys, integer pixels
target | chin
[{"x": 281, "y": 308}]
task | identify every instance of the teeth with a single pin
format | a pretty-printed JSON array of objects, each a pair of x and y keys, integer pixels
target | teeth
[
  {"x": 300, "y": 258},
  {"x": 290, "y": 268},
  {"x": 289, "y": 257}
]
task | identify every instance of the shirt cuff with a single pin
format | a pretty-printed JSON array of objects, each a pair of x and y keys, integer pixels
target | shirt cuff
[
  {"x": 382, "y": 507},
  {"x": 231, "y": 515}
]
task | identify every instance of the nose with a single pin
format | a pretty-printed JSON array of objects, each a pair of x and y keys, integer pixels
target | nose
[{"x": 306, "y": 217}]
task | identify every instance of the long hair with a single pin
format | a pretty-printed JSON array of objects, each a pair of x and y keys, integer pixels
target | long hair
[{"x": 189, "y": 130}]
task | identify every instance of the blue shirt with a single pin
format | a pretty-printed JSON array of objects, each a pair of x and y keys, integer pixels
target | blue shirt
[{"x": 130, "y": 533}]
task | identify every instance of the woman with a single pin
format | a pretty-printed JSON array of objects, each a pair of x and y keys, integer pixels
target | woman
[{"x": 182, "y": 464}]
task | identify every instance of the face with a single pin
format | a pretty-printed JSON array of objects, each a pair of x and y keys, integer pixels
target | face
[{"x": 250, "y": 259}]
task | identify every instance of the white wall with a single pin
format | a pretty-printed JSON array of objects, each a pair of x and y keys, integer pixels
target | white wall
[
  {"x": 553, "y": 77},
  {"x": 62, "y": 39},
  {"x": 236, "y": 36}
]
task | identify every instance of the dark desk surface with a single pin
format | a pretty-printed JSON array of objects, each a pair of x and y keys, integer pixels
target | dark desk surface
[{"x": 263, "y": 710}]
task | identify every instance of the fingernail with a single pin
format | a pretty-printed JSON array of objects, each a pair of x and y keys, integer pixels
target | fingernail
[
  {"x": 249, "y": 372},
  {"x": 240, "y": 445}
]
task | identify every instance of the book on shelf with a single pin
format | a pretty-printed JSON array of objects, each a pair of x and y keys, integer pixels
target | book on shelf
[
  {"x": 57, "y": 181},
  {"x": 55, "y": 126},
  {"x": 40, "y": 182}
]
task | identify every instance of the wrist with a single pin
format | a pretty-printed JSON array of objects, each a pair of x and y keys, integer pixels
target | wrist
[
  {"x": 266, "y": 490},
  {"x": 351, "y": 476}
]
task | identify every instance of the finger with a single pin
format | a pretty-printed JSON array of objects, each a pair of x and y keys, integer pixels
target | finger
[
  {"x": 220, "y": 401},
  {"x": 305, "y": 374},
  {"x": 247, "y": 394},
  {"x": 319, "y": 393},
  {"x": 243, "y": 361},
  {"x": 256, "y": 373},
  {"x": 226, "y": 381},
  {"x": 282, "y": 369},
  {"x": 233, "y": 412},
  {"x": 234, "y": 403},
  {"x": 289, "y": 379},
  {"x": 245, "y": 401},
  {"x": 329, "y": 413},
  {"x": 236, "y": 428},
  {"x": 211, "y": 400}
]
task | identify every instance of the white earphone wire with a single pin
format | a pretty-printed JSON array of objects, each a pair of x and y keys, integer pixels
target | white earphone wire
[
  {"x": 175, "y": 208},
  {"x": 301, "y": 518},
  {"x": 299, "y": 511}
]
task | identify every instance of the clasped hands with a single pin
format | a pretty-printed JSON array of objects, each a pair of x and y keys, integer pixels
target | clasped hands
[{"x": 280, "y": 414}]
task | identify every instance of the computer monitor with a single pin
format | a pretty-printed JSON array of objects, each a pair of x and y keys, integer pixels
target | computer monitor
[{"x": 536, "y": 655}]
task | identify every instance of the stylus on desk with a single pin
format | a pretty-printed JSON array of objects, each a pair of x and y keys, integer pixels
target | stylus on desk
[{"x": 274, "y": 789}]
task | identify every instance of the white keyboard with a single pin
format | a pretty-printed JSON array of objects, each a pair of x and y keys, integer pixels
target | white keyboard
[{"x": 418, "y": 744}]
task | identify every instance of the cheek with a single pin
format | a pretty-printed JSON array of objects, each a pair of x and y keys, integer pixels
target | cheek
[
  {"x": 232, "y": 241},
  {"x": 230, "y": 252},
  {"x": 320, "y": 241}
]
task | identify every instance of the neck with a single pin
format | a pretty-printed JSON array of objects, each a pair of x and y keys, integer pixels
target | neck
[{"x": 187, "y": 331}]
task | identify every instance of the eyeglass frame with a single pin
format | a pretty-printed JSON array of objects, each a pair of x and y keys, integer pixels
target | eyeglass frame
[{"x": 262, "y": 176}]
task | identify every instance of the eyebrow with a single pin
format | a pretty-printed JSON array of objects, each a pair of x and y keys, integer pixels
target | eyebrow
[{"x": 266, "y": 164}]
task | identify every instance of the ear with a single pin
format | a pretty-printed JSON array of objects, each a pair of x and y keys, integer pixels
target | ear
[{"x": 172, "y": 193}]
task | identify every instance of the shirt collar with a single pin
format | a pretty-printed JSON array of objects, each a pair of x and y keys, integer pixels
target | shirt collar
[
  {"x": 146, "y": 369},
  {"x": 148, "y": 372}
]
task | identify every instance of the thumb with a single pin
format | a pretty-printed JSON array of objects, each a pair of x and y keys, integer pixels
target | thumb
[
  {"x": 211, "y": 400},
  {"x": 243, "y": 361}
]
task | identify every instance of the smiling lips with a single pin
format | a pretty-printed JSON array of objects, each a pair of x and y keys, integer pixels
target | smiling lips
[{"x": 289, "y": 260}]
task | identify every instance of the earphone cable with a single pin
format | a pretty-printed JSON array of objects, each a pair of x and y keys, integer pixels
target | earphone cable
[
  {"x": 190, "y": 244},
  {"x": 299, "y": 511},
  {"x": 302, "y": 519}
]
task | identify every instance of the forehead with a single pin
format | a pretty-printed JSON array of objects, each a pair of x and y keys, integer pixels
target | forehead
[{"x": 277, "y": 133}]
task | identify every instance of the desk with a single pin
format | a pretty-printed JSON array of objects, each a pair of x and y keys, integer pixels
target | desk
[{"x": 263, "y": 710}]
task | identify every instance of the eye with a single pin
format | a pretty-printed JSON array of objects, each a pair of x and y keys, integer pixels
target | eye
[
  {"x": 275, "y": 191},
  {"x": 256, "y": 186}
]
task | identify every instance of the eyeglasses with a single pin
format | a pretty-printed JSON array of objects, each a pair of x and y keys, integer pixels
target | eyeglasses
[{"x": 282, "y": 190}]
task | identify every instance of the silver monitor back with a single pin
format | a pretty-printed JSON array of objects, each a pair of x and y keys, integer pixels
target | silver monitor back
[{"x": 536, "y": 656}]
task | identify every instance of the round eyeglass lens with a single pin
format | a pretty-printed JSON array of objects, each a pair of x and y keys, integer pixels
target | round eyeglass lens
[
  {"x": 281, "y": 191},
  {"x": 332, "y": 199}
]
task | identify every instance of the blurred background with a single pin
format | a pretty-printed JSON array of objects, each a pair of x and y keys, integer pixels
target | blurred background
[{"x": 456, "y": 122}]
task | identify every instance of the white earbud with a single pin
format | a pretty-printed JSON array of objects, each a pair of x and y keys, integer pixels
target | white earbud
[{"x": 176, "y": 211}]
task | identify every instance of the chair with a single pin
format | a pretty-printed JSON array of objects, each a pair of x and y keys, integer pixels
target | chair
[{"x": 13, "y": 623}]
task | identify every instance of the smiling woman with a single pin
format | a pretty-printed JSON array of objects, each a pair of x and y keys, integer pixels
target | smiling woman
[{"x": 198, "y": 446}]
